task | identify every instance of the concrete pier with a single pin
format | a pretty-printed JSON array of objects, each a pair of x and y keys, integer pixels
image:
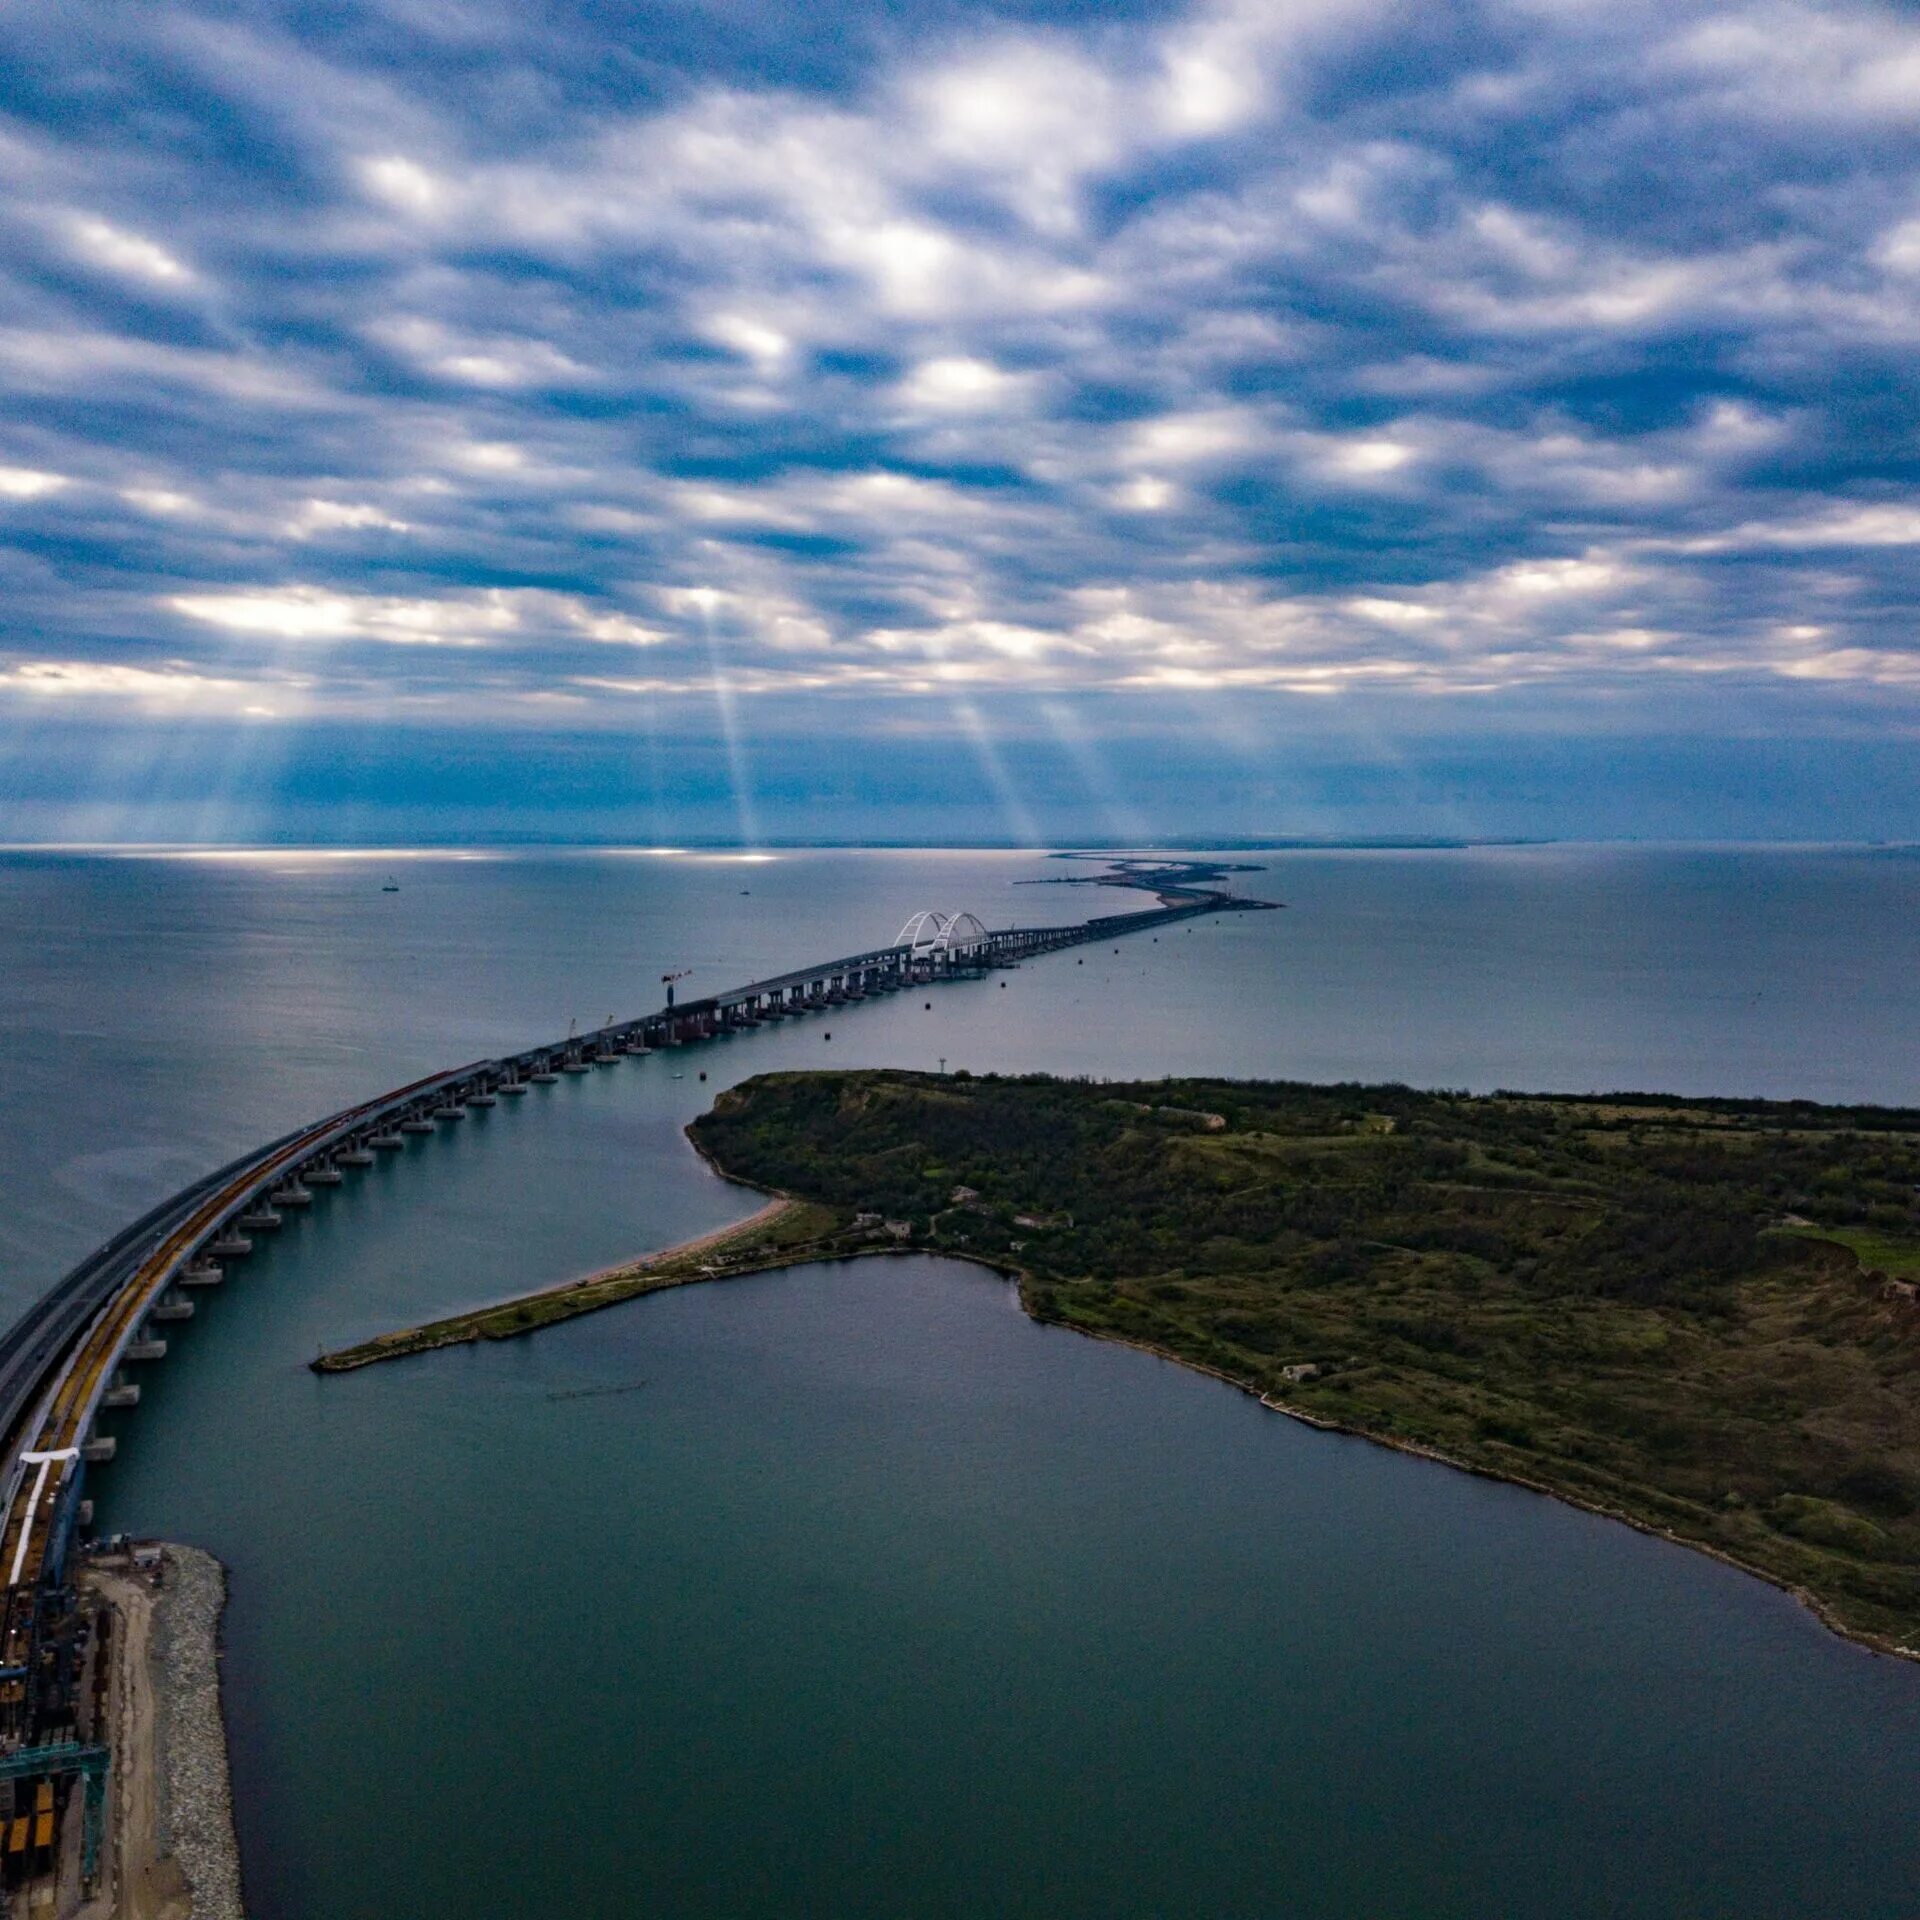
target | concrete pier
[
  {"x": 146, "y": 1350},
  {"x": 203, "y": 1273},
  {"x": 260, "y": 1220},
  {"x": 231, "y": 1245},
  {"x": 354, "y": 1157},
  {"x": 99, "y": 1450},
  {"x": 172, "y": 1307},
  {"x": 123, "y": 1393}
]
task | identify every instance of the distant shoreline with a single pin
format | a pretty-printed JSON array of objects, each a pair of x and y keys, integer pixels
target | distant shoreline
[{"x": 1202, "y": 843}]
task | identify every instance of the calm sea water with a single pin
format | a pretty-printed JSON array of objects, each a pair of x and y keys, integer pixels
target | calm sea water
[{"x": 864, "y": 1596}]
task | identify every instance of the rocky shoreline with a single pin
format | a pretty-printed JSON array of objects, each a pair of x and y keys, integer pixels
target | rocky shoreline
[
  {"x": 195, "y": 1800},
  {"x": 171, "y": 1852}
]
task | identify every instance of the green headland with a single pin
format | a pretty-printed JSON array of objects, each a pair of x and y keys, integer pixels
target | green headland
[{"x": 1698, "y": 1315}]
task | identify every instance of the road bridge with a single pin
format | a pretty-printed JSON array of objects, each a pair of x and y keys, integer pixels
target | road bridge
[{"x": 74, "y": 1353}]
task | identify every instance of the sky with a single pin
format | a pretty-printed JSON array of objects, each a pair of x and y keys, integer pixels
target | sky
[{"x": 447, "y": 418}]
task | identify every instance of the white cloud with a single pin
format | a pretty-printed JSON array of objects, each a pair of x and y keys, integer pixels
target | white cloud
[
  {"x": 314, "y": 613},
  {"x": 1030, "y": 115},
  {"x": 298, "y": 613},
  {"x": 1172, "y": 358},
  {"x": 404, "y": 184},
  {"x": 1368, "y": 458},
  {"x": 340, "y": 516},
  {"x": 174, "y": 688},
  {"x": 1146, "y": 493},
  {"x": 1188, "y": 439},
  {"x": 28, "y": 483},
  {"x": 474, "y": 359},
  {"x": 166, "y": 502},
  {"x": 1898, "y": 249},
  {"x": 131, "y": 254},
  {"x": 958, "y": 383},
  {"x": 766, "y": 346},
  {"x": 1842, "y": 63}
]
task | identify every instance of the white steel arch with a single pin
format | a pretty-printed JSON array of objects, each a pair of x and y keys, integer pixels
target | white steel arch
[
  {"x": 922, "y": 932},
  {"x": 964, "y": 933},
  {"x": 931, "y": 932}
]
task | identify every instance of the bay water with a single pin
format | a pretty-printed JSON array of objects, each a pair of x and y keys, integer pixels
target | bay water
[{"x": 848, "y": 1591}]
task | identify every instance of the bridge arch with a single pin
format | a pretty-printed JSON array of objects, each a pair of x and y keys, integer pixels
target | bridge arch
[
  {"x": 922, "y": 934},
  {"x": 965, "y": 932},
  {"x": 931, "y": 933}
]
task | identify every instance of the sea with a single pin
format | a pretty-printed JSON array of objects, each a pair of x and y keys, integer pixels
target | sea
[{"x": 848, "y": 1591}]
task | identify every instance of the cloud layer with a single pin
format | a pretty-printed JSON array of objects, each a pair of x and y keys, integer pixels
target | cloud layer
[{"x": 494, "y": 364}]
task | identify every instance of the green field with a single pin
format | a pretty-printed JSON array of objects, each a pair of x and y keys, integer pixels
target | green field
[{"x": 1696, "y": 1314}]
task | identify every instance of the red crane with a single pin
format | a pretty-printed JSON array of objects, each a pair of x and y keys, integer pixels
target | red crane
[{"x": 667, "y": 980}]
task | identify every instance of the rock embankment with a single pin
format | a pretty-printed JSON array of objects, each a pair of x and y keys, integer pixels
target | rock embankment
[{"x": 195, "y": 1799}]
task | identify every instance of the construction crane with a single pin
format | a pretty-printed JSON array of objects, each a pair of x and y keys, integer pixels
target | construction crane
[{"x": 667, "y": 980}]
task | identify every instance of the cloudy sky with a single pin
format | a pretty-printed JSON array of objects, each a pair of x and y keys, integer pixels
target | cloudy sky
[{"x": 1301, "y": 417}]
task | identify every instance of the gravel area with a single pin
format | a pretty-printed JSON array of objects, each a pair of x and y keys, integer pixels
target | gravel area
[{"x": 196, "y": 1800}]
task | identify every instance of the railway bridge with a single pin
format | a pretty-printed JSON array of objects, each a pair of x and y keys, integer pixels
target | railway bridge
[{"x": 78, "y": 1351}]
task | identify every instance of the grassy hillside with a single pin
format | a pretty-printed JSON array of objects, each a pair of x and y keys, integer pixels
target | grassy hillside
[{"x": 1698, "y": 1313}]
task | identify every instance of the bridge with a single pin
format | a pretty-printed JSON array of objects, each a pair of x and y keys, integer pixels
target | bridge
[{"x": 75, "y": 1353}]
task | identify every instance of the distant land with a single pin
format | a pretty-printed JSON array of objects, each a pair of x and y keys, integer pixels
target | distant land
[{"x": 1700, "y": 1316}]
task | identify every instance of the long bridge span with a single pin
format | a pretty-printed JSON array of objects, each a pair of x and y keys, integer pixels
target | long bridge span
[{"x": 74, "y": 1353}]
